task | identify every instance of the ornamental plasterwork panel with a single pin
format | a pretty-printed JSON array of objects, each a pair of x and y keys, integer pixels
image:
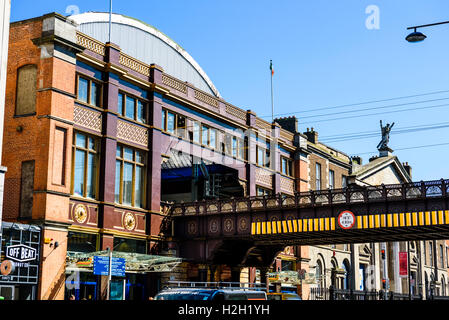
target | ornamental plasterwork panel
[{"x": 132, "y": 133}]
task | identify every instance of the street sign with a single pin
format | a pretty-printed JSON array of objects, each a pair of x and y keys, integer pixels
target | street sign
[
  {"x": 101, "y": 266},
  {"x": 346, "y": 219}
]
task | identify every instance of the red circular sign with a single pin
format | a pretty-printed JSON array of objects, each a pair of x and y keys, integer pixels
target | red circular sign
[{"x": 346, "y": 219}]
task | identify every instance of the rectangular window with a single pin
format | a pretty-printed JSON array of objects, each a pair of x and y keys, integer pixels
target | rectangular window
[
  {"x": 118, "y": 178},
  {"x": 205, "y": 135},
  {"x": 344, "y": 181},
  {"x": 83, "y": 89},
  {"x": 95, "y": 94},
  {"x": 26, "y": 90},
  {"x": 27, "y": 189},
  {"x": 130, "y": 107},
  {"x": 213, "y": 138},
  {"x": 263, "y": 157},
  {"x": 234, "y": 146},
  {"x": 260, "y": 156},
  {"x": 141, "y": 112},
  {"x": 81, "y": 242},
  {"x": 89, "y": 91},
  {"x": 318, "y": 176},
  {"x": 196, "y": 132},
  {"x": 181, "y": 125},
  {"x": 286, "y": 166},
  {"x": 85, "y": 168},
  {"x": 120, "y": 104},
  {"x": 129, "y": 177},
  {"x": 170, "y": 123},
  {"x": 129, "y": 245},
  {"x": 262, "y": 191},
  {"x": 331, "y": 179},
  {"x": 133, "y": 108}
]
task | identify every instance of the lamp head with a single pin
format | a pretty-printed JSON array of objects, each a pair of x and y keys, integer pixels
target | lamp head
[{"x": 415, "y": 36}]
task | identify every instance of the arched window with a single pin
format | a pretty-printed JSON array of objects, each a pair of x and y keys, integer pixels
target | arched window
[
  {"x": 430, "y": 254},
  {"x": 443, "y": 286},
  {"x": 346, "y": 267},
  {"x": 441, "y": 256},
  {"x": 319, "y": 273},
  {"x": 26, "y": 90}
]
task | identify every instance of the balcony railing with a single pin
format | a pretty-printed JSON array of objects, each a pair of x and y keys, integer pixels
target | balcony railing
[{"x": 413, "y": 190}]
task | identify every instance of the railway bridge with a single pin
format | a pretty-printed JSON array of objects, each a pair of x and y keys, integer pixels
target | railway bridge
[{"x": 251, "y": 231}]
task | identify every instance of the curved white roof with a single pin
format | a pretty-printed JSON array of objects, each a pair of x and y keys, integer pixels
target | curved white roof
[{"x": 146, "y": 44}]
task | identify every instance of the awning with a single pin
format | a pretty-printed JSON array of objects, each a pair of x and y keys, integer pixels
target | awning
[{"x": 135, "y": 262}]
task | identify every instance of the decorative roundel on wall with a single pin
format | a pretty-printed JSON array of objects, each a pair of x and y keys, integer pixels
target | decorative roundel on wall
[
  {"x": 129, "y": 221},
  {"x": 80, "y": 213}
]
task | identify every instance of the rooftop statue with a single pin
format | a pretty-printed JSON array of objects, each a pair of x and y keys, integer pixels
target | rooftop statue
[{"x": 383, "y": 144}]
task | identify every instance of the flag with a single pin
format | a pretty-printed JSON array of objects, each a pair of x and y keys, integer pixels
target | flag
[{"x": 271, "y": 68}]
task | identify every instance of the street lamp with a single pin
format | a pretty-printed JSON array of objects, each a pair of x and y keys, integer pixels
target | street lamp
[{"x": 416, "y": 36}]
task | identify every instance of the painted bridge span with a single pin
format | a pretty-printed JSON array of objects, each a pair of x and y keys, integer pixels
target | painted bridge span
[{"x": 208, "y": 230}]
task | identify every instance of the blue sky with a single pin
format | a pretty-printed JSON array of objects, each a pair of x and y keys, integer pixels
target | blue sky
[{"x": 323, "y": 55}]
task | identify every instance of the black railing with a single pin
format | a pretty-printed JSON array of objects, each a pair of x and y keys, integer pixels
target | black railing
[
  {"x": 412, "y": 190},
  {"x": 347, "y": 294}
]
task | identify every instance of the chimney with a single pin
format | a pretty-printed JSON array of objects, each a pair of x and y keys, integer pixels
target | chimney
[
  {"x": 357, "y": 160},
  {"x": 311, "y": 135},
  {"x": 289, "y": 123},
  {"x": 408, "y": 168}
]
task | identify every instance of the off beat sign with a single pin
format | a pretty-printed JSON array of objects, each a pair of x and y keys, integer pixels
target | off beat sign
[{"x": 346, "y": 220}]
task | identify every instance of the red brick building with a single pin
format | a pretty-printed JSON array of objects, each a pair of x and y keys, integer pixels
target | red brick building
[{"x": 95, "y": 139}]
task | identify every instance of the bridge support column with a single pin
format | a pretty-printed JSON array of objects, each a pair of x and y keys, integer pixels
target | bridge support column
[
  {"x": 235, "y": 275},
  {"x": 264, "y": 276},
  {"x": 212, "y": 269},
  {"x": 202, "y": 273}
]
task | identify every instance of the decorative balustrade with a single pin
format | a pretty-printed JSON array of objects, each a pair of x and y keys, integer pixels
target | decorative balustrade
[
  {"x": 208, "y": 99},
  {"x": 134, "y": 64},
  {"x": 174, "y": 83},
  {"x": 414, "y": 190},
  {"x": 90, "y": 43},
  {"x": 236, "y": 112}
]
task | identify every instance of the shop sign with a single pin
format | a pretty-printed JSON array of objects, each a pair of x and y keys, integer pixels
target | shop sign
[
  {"x": 19, "y": 257},
  {"x": 21, "y": 253}
]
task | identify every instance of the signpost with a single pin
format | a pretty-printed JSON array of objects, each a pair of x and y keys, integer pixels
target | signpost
[
  {"x": 102, "y": 265},
  {"x": 109, "y": 266}
]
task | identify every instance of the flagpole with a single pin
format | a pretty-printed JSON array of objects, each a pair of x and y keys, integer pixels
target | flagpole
[
  {"x": 110, "y": 19},
  {"x": 272, "y": 105}
]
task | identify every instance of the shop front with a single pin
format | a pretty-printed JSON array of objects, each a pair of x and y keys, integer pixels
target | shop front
[
  {"x": 19, "y": 261},
  {"x": 83, "y": 278}
]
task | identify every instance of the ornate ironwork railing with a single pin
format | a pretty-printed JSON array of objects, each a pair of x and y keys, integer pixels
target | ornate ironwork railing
[
  {"x": 413, "y": 190},
  {"x": 347, "y": 294}
]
